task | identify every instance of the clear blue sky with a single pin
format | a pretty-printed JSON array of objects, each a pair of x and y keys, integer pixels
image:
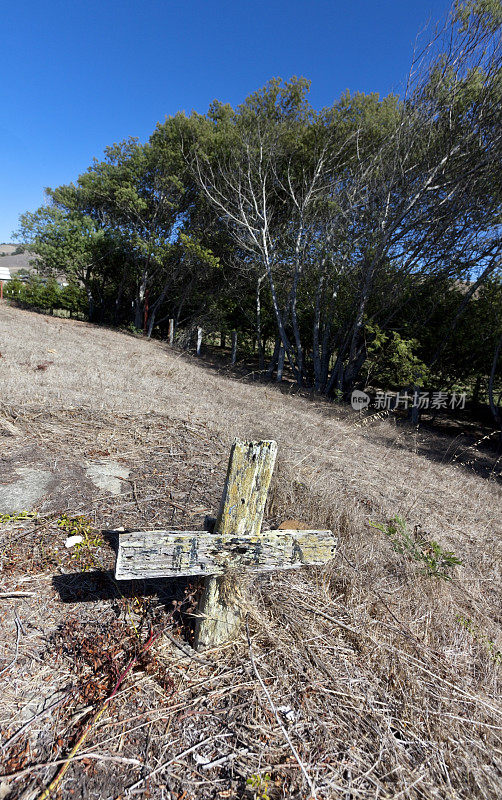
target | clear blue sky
[{"x": 77, "y": 75}]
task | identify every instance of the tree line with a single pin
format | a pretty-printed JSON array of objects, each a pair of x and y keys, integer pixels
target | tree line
[{"x": 360, "y": 243}]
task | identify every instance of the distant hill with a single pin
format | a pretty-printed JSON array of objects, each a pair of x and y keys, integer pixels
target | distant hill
[
  {"x": 15, "y": 261},
  {"x": 6, "y": 249}
]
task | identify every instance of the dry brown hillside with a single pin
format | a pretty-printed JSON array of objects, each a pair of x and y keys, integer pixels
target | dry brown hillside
[{"x": 386, "y": 680}]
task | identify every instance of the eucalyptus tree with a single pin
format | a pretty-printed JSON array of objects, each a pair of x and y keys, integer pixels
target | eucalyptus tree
[
  {"x": 343, "y": 209},
  {"x": 427, "y": 203},
  {"x": 261, "y": 168}
]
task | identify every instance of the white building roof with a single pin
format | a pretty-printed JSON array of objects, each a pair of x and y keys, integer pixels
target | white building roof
[{"x": 4, "y": 274}]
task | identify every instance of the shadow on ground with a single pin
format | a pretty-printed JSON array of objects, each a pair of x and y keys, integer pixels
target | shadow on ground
[{"x": 88, "y": 587}]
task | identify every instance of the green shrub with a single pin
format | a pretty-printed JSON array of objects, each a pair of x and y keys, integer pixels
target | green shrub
[
  {"x": 73, "y": 299},
  {"x": 13, "y": 289},
  {"x": 435, "y": 562}
]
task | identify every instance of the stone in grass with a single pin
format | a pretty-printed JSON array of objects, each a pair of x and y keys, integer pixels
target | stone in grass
[
  {"x": 73, "y": 540},
  {"x": 25, "y": 491},
  {"x": 107, "y": 474}
]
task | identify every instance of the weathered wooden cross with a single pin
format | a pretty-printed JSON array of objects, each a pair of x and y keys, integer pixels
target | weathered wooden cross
[{"x": 236, "y": 544}]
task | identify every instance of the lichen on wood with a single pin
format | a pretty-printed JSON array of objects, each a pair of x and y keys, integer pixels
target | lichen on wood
[
  {"x": 236, "y": 545},
  {"x": 155, "y": 554},
  {"x": 245, "y": 492},
  {"x": 249, "y": 472}
]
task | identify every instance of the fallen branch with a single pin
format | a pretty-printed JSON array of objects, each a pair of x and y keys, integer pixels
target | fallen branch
[
  {"x": 97, "y": 756},
  {"x": 18, "y": 635}
]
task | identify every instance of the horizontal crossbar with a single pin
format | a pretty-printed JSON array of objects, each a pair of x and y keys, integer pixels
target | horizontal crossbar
[{"x": 168, "y": 554}]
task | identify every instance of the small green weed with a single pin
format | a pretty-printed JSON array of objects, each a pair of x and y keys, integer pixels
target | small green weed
[
  {"x": 436, "y": 562},
  {"x": 259, "y": 784},
  {"x": 131, "y": 328},
  {"x": 482, "y": 638},
  {"x": 18, "y": 516},
  {"x": 83, "y": 551}
]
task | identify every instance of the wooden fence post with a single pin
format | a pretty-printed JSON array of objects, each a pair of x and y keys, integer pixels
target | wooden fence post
[
  {"x": 199, "y": 340},
  {"x": 234, "y": 347},
  {"x": 170, "y": 333},
  {"x": 241, "y": 513}
]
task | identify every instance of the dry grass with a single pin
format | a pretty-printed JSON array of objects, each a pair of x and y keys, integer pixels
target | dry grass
[{"x": 390, "y": 695}]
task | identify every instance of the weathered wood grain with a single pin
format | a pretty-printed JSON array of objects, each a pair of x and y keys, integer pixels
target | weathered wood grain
[
  {"x": 235, "y": 546},
  {"x": 156, "y": 554},
  {"x": 249, "y": 472}
]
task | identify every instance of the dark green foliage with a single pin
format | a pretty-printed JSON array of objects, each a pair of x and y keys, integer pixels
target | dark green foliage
[
  {"x": 364, "y": 238},
  {"x": 47, "y": 295}
]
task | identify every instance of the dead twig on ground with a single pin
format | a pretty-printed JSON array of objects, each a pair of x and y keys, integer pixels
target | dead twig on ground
[{"x": 18, "y": 636}]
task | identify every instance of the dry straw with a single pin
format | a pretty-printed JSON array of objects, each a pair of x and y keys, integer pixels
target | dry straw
[{"x": 388, "y": 680}]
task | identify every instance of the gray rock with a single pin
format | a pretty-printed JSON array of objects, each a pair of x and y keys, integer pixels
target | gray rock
[
  {"x": 25, "y": 491},
  {"x": 106, "y": 474}
]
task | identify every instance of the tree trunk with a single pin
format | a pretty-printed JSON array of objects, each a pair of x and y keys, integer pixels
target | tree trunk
[
  {"x": 363, "y": 301},
  {"x": 316, "y": 356},
  {"x": 326, "y": 347},
  {"x": 117, "y": 303},
  {"x": 476, "y": 391},
  {"x": 259, "y": 344},
  {"x": 145, "y": 315},
  {"x": 273, "y": 361},
  {"x": 139, "y": 310},
  {"x": 151, "y": 322},
  {"x": 234, "y": 347},
  {"x": 280, "y": 322},
  {"x": 90, "y": 300},
  {"x": 352, "y": 370},
  {"x": 280, "y": 363},
  {"x": 494, "y": 408}
]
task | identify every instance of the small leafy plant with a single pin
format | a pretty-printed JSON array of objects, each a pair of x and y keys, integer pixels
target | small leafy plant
[
  {"x": 83, "y": 551},
  {"x": 259, "y": 784},
  {"x": 436, "y": 562},
  {"x": 131, "y": 328},
  {"x": 482, "y": 638},
  {"x": 18, "y": 516}
]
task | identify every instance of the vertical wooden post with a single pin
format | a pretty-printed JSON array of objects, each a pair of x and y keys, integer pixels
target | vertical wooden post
[
  {"x": 170, "y": 332},
  {"x": 1, "y": 290},
  {"x": 241, "y": 513},
  {"x": 234, "y": 347},
  {"x": 199, "y": 340}
]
